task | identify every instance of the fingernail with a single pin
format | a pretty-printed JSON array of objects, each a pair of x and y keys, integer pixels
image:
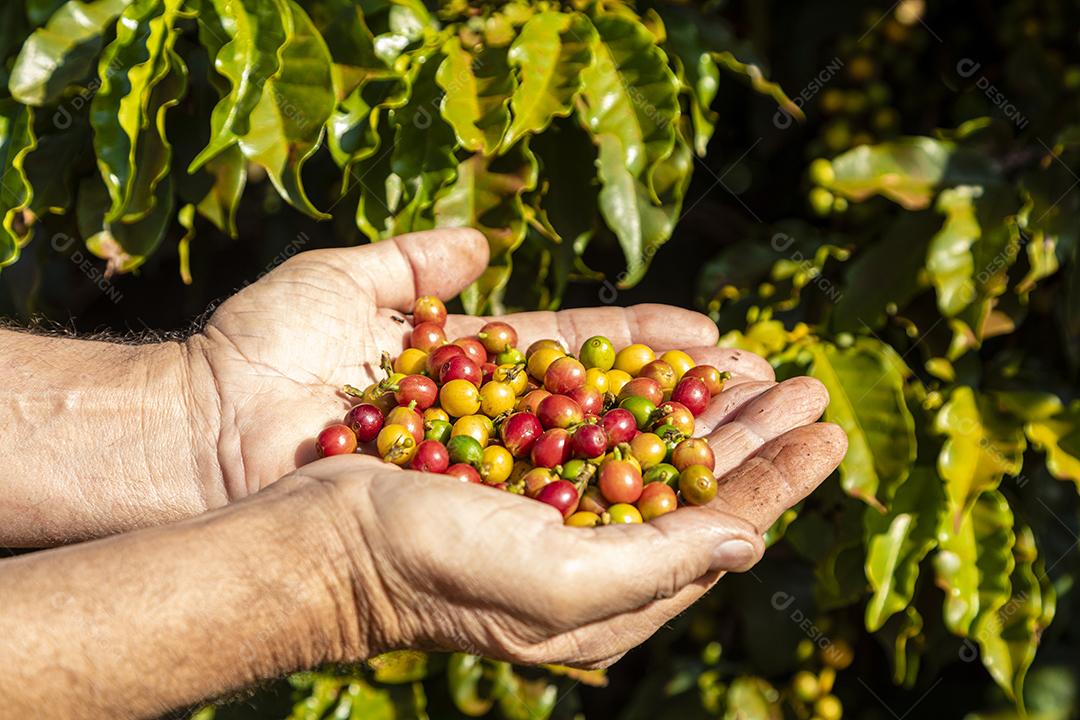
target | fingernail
[{"x": 734, "y": 555}]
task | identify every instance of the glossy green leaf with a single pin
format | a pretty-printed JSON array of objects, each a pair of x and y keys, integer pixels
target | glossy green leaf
[
  {"x": 287, "y": 121},
  {"x": 141, "y": 78},
  {"x": 903, "y": 637},
  {"x": 248, "y": 58},
  {"x": 399, "y": 666},
  {"x": 477, "y": 95},
  {"x": 630, "y": 95},
  {"x": 229, "y": 173},
  {"x": 866, "y": 390},
  {"x": 465, "y": 673},
  {"x": 341, "y": 24},
  {"x": 521, "y": 699},
  {"x": 759, "y": 82},
  {"x": 549, "y": 55},
  {"x": 695, "y": 66},
  {"x": 1059, "y": 438},
  {"x": 126, "y": 245},
  {"x": 898, "y": 541},
  {"x": 981, "y": 446},
  {"x": 16, "y": 141},
  {"x": 62, "y": 52},
  {"x": 39, "y": 11}
]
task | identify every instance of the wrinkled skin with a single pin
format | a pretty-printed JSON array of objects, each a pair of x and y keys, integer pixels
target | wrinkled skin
[{"x": 440, "y": 564}]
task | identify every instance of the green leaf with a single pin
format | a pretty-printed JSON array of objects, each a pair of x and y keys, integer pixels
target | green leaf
[
  {"x": 1059, "y": 438},
  {"x": 287, "y": 121},
  {"x": 898, "y": 634},
  {"x": 464, "y": 673},
  {"x": 399, "y": 666},
  {"x": 907, "y": 170},
  {"x": 758, "y": 82},
  {"x": 898, "y": 541},
  {"x": 631, "y": 95},
  {"x": 125, "y": 245},
  {"x": 247, "y": 58},
  {"x": 62, "y": 52},
  {"x": 694, "y": 66},
  {"x": 229, "y": 174},
  {"x": 16, "y": 141},
  {"x": 141, "y": 78},
  {"x": 478, "y": 91},
  {"x": 641, "y": 225},
  {"x": 866, "y": 389},
  {"x": 974, "y": 562},
  {"x": 549, "y": 55},
  {"x": 982, "y": 446}
]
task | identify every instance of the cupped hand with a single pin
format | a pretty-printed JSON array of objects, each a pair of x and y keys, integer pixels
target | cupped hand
[{"x": 274, "y": 357}]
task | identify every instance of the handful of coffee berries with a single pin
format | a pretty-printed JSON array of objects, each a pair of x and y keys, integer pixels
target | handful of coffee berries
[{"x": 605, "y": 437}]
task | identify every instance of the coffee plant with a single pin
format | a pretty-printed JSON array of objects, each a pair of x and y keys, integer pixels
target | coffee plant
[{"x": 911, "y": 241}]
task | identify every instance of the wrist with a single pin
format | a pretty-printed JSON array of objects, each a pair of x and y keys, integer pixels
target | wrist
[{"x": 215, "y": 471}]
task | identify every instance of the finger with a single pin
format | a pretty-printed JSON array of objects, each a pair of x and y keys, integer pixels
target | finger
[
  {"x": 627, "y": 566},
  {"x": 740, "y": 363},
  {"x": 662, "y": 327},
  {"x": 791, "y": 404},
  {"x": 397, "y": 271},
  {"x": 781, "y": 474},
  {"x": 727, "y": 404}
]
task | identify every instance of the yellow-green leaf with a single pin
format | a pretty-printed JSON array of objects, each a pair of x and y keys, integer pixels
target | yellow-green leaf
[
  {"x": 1059, "y": 438},
  {"x": 478, "y": 90},
  {"x": 16, "y": 141},
  {"x": 866, "y": 390},
  {"x": 549, "y": 55}
]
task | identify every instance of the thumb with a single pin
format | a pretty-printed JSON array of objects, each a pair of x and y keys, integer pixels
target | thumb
[
  {"x": 637, "y": 564},
  {"x": 395, "y": 272}
]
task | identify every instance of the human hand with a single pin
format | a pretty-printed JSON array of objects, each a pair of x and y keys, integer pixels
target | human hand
[{"x": 273, "y": 358}]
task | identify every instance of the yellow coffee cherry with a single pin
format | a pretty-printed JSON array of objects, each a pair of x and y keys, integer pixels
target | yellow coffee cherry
[
  {"x": 496, "y": 464},
  {"x": 648, "y": 449},
  {"x": 624, "y": 514},
  {"x": 433, "y": 413},
  {"x": 679, "y": 361},
  {"x": 396, "y": 444},
  {"x": 459, "y": 398},
  {"x": 597, "y": 379},
  {"x": 540, "y": 360},
  {"x": 411, "y": 361},
  {"x": 496, "y": 398},
  {"x": 514, "y": 375},
  {"x": 475, "y": 426},
  {"x": 583, "y": 518},
  {"x": 616, "y": 379},
  {"x": 634, "y": 357}
]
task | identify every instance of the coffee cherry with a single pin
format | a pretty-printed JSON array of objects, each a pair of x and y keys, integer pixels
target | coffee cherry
[
  {"x": 461, "y": 368},
  {"x": 459, "y": 398},
  {"x": 411, "y": 361},
  {"x": 592, "y": 500},
  {"x": 561, "y": 495},
  {"x": 633, "y": 357},
  {"x": 417, "y": 389},
  {"x": 440, "y": 356},
  {"x": 589, "y": 399},
  {"x": 545, "y": 343},
  {"x": 662, "y": 373},
  {"x": 828, "y": 707},
  {"x": 577, "y": 470},
  {"x": 496, "y": 464},
  {"x": 365, "y": 420},
  {"x": 649, "y": 449},
  {"x": 513, "y": 375},
  {"x": 641, "y": 408},
  {"x": 559, "y": 411},
  {"x": 552, "y": 448},
  {"x": 662, "y": 473},
  {"x": 478, "y": 427},
  {"x": 676, "y": 414},
  {"x": 464, "y": 473},
  {"x": 440, "y": 430},
  {"x": 465, "y": 449},
  {"x": 487, "y": 372},
  {"x": 692, "y": 393},
  {"x": 583, "y": 518},
  {"x": 624, "y": 514},
  {"x": 697, "y": 485},
  {"x": 431, "y": 456},
  {"x": 435, "y": 413},
  {"x": 530, "y": 401},
  {"x": 429, "y": 308},
  {"x": 679, "y": 361},
  {"x": 713, "y": 378},
  {"x": 805, "y": 686},
  {"x": 589, "y": 441},
  {"x": 335, "y": 440},
  {"x": 395, "y": 444},
  {"x": 473, "y": 348},
  {"x": 597, "y": 352},
  {"x": 497, "y": 336},
  {"x": 519, "y": 433},
  {"x": 510, "y": 356},
  {"x": 496, "y": 398},
  {"x": 597, "y": 379},
  {"x": 619, "y": 425},
  {"x": 409, "y": 419},
  {"x": 620, "y": 481},
  {"x": 642, "y": 387},
  {"x": 376, "y": 394},
  {"x": 656, "y": 499},
  {"x": 426, "y": 336},
  {"x": 539, "y": 362},
  {"x": 616, "y": 380},
  {"x": 563, "y": 375},
  {"x": 537, "y": 479},
  {"x": 693, "y": 451}
]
